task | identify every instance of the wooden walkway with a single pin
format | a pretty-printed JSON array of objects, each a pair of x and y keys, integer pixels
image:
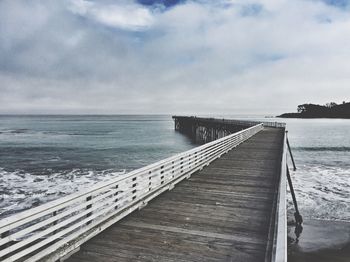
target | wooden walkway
[{"x": 222, "y": 213}]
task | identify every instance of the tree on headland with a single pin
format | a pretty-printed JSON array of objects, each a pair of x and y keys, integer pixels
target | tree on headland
[
  {"x": 329, "y": 110},
  {"x": 331, "y": 104}
]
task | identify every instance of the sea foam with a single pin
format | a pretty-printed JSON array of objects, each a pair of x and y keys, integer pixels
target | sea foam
[{"x": 21, "y": 190}]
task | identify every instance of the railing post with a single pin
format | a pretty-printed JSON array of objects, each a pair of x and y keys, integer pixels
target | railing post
[
  {"x": 297, "y": 216},
  {"x": 54, "y": 222},
  {"x": 181, "y": 164},
  {"x": 88, "y": 207},
  {"x": 161, "y": 175},
  {"x": 116, "y": 194},
  {"x": 290, "y": 153},
  {"x": 150, "y": 180}
]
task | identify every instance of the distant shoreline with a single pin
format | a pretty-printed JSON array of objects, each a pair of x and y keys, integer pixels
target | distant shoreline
[
  {"x": 330, "y": 110},
  {"x": 297, "y": 115}
]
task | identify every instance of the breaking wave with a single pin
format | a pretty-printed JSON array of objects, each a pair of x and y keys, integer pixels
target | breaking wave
[
  {"x": 21, "y": 190},
  {"x": 322, "y": 192}
]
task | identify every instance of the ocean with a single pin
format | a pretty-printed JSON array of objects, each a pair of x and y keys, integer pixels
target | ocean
[
  {"x": 45, "y": 157},
  {"x": 321, "y": 148}
]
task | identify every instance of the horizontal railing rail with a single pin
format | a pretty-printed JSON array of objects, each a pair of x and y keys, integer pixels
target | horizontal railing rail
[
  {"x": 274, "y": 124},
  {"x": 52, "y": 230},
  {"x": 253, "y": 123}
]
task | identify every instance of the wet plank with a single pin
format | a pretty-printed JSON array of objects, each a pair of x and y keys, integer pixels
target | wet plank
[{"x": 222, "y": 213}]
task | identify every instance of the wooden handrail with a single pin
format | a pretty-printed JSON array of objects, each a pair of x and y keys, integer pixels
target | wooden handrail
[{"x": 279, "y": 245}]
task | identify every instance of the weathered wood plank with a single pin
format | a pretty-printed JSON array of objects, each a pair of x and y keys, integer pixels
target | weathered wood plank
[{"x": 222, "y": 213}]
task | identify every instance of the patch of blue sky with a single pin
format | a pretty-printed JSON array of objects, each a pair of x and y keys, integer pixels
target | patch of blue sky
[
  {"x": 251, "y": 9},
  {"x": 165, "y": 3},
  {"x": 338, "y": 3},
  {"x": 218, "y": 3}
]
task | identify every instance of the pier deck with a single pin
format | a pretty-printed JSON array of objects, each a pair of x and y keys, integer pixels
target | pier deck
[{"x": 222, "y": 213}]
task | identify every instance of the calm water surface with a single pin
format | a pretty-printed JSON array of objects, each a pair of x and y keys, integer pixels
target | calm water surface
[{"x": 45, "y": 157}]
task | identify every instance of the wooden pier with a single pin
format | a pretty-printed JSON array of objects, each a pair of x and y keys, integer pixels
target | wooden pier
[
  {"x": 203, "y": 130},
  {"x": 222, "y": 201}
]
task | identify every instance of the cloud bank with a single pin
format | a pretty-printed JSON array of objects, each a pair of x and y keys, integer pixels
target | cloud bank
[{"x": 191, "y": 57}]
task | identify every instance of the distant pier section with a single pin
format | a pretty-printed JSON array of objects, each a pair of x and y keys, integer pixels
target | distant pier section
[{"x": 203, "y": 130}]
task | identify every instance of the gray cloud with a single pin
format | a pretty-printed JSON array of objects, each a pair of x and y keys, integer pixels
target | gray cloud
[{"x": 236, "y": 56}]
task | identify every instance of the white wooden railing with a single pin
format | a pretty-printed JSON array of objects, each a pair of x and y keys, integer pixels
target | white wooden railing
[
  {"x": 51, "y": 231},
  {"x": 274, "y": 124},
  {"x": 253, "y": 123},
  {"x": 279, "y": 245},
  {"x": 239, "y": 122}
]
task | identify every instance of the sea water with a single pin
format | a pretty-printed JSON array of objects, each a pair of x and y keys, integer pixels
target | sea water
[
  {"x": 321, "y": 150},
  {"x": 45, "y": 157}
]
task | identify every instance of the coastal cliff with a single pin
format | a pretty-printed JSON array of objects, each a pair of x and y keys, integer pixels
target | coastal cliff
[{"x": 330, "y": 110}]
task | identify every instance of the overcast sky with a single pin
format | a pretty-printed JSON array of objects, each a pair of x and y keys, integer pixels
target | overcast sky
[{"x": 177, "y": 57}]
